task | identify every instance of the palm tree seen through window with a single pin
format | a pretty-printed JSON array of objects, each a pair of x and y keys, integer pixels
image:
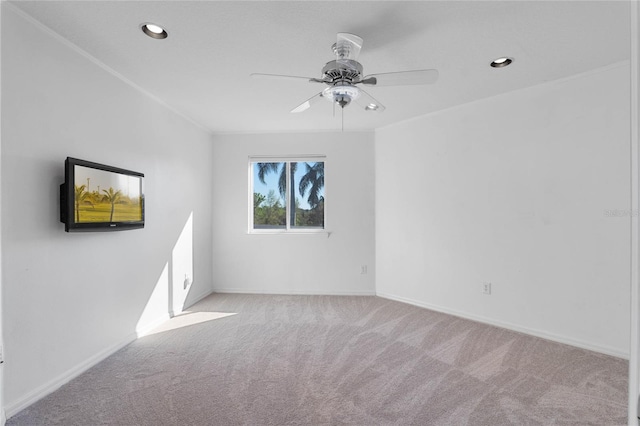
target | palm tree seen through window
[{"x": 288, "y": 195}]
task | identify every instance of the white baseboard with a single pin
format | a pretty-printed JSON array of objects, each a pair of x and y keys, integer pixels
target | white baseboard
[
  {"x": 146, "y": 328},
  {"x": 538, "y": 333},
  {"x": 199, "y": 298},
  {"x": 295, "y": 292},
  {"x": 64, "y": 378},
  {"x": 44, "y": 390}
]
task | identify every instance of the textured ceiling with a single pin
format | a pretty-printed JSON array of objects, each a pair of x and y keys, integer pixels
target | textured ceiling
[{"x": 202, "y": 69}]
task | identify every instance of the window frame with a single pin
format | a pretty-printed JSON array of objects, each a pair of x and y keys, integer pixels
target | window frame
[{"x": 288, "y": 229}]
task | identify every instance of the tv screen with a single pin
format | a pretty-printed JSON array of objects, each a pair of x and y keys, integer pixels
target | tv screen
[{"x": 97, "y": 197}]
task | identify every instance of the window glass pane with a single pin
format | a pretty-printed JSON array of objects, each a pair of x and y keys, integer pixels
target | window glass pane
[
  {"x": 269, "y": 189},
  {"x": 308, "y": 193}
]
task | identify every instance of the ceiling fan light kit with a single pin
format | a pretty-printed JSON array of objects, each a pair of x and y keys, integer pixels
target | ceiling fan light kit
[
  {"x": 341, "y": 94},
  {"x": 343, "y": 74}
]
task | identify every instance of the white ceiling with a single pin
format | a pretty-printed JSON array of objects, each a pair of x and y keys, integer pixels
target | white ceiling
[{"x": 202, "y": 69}]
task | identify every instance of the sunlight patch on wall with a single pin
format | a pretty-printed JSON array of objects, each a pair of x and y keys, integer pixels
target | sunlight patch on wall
[
  {"x": 182, "y": 267},
  {"x": 172, "y": 288},
  {"x": 155, "y": 310}
]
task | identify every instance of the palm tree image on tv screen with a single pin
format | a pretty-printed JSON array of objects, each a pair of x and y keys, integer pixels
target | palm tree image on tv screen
[
  {"x": 305, "y": 187},
  {"x": 102, "y": 196}
]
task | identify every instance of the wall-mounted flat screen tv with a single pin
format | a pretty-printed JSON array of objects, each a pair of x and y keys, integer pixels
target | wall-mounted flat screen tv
[{"x": 97, "y": 197}]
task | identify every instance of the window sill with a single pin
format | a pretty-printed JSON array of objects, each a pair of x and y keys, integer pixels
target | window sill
[{"x": 290, "y": 232}]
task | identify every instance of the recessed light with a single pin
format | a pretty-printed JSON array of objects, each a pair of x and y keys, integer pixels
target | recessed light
[
  {"x": 154, "y": 31},
  {"x": 501, "y": 62}
]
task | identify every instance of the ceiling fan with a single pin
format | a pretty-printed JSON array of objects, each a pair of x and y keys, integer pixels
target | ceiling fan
[{"x": 344, "y": 77}]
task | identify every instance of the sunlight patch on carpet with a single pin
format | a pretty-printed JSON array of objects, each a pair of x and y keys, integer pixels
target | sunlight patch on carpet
[{"x": 188, "y": 318}]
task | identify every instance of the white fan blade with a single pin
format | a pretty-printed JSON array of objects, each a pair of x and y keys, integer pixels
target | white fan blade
[
  {"x": 402, "y": 78},
  {"x": 307, "y": 104},
  {"x": 285, "y": 77},
  {"x": 368, "y": 102}
]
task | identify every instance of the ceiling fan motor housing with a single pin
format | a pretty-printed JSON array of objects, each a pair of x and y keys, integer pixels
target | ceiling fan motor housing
[{"x": 342, "y": 71}]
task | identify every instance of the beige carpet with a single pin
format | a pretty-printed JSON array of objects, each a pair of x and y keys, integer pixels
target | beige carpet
[{"x": 331, "y": 360}]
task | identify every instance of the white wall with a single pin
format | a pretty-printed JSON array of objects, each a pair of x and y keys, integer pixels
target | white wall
[
  {"x": 634, "y": 356},
  {"x": 2, "y": 411},
  {"x": 71, "y": 299},
  {"x": 513, "y": 190},
  {"x": 304, "y": 264},
  {"x": 510, "y": 190}
]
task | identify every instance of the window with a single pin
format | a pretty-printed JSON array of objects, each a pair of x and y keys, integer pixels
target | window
[{"x": 286, "y": 194}]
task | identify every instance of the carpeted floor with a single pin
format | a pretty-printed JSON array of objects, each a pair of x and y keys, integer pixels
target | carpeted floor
[{"x": 332, "y": 360}]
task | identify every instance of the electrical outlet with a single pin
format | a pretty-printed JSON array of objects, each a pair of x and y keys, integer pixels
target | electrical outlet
[
  {"x": 486, "y": 288},
  {"x": 187, "y": 281},
  {"x": 363, "y": 269}
]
